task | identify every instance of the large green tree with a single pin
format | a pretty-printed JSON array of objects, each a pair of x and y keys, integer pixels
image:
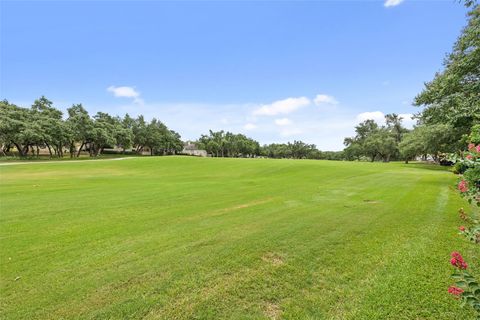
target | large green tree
[
  {"x": 81, "y": 126},
  {"x": 453, "y": 96},
  {"x": 42, "y": 126},
  {"x": 374, "y": 141},
  {"x": 424, "y": 140}
]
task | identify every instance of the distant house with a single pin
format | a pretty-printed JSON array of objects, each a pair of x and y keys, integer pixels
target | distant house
[{"x": 191, "y": 149}]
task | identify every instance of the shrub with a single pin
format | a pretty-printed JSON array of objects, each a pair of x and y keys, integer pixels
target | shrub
[
  {"x": 459, "y": 168},
  {"x": 467, "y": 164}
]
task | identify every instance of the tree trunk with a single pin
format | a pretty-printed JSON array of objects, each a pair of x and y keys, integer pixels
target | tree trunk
[
  {"x": 49, "y": 150},
  {"x": 20, "y": 150},
  {"x": 80, "y": 149},
  {"x": 91, "y": 148},
  {"x": 72, "y": 149}
]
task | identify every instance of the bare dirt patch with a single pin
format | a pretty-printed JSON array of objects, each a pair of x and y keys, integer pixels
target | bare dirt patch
[
  {"x": 273, "y": 258},
  {"x": 272, "y": 311}
]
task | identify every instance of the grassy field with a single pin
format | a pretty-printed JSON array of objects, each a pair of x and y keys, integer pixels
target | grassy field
[{"x": 206, "y": 238}]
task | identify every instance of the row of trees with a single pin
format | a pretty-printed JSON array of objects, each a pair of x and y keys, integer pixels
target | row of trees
[
  {"x": 395, "y": 142},
  {"x": 227, "y": 144},
  {"x": 42, "y": 126},
  {"x": 298, "y": 150},
  {"x": 28, "y": 130}
]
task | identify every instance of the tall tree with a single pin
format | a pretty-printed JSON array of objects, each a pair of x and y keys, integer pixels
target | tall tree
[
  {"x": 81, "y": 126},
  {"x": 453, "y": 96}
]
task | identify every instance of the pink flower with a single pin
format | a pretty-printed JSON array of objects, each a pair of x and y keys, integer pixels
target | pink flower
[
  {"x": 461, "y": 228},
  {"x": 463, "y": 186},
  {"x": 457, "y": 261},
  {"x": 478, "y": 148},
  {"x": 471, "y": 146},
  {"x": 455, "y": 291},
  {"x": 469, "y": 157}
]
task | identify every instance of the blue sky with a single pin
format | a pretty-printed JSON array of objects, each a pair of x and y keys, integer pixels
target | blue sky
[{"x": 274, "y": 70}]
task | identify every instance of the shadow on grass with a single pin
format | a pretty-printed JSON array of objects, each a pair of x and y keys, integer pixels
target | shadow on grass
[{"x": 427, "y": 166}]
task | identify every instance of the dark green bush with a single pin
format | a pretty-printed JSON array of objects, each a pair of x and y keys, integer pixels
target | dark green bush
[{"x": 459, "y": 167}]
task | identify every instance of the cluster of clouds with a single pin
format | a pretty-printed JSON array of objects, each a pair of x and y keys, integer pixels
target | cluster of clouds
[
  {"x": 287, "y": 106},
  {"x": 320, "y": 119}
]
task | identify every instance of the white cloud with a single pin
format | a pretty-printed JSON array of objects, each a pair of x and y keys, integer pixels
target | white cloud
[
  {"x": 249, "y": 126},
  {"x": 283, "y": 122},
  {"x": 282, "y": 106},
  {"x": 126, "y": 92},
  {"x": 407, "y": 120},
  {"x": 377, "y": 116},
  {"x": 325, "y": 99},
  {"x": 392, "y": 3}
]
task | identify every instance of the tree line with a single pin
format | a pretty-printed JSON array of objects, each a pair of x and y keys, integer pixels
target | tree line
[
  {"x": 28, "y": 130},
  {"x": 227, "y": 144},
  {"x": 42, "y": 126}
]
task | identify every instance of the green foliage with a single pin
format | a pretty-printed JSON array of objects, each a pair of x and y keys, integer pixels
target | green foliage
[
  {"x": 470, "y": 287},
  {"x": 295, "y": 150},
  {"x": 452, "y": 97},
  {"x": 227, "y": 144},
  {"x": 469, "y": 184},
  {"x": 43, "y": 126},
  {"x": 459, "y": 167},
  {"x": 475, "y": 134},
  {"x": 431, "y": 140},
  {"x": 469, "y": 187},
  {"x": 376, "y": 142}
]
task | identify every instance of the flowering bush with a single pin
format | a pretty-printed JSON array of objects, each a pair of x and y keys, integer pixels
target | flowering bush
[
  {"x": 467, "y": 165},
  {"x": 469, "y": 184},
  {"x": 457, "y": 261},
  {"x": 471, "y": 233},
  {"x": 466, "y": 287}
]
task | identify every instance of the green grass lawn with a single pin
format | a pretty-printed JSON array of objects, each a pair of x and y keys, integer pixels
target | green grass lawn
[{"x": 206, "y": 238}]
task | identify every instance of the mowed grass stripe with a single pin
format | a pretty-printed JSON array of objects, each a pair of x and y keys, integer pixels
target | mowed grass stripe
[{"x": 186, "y": 238}]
